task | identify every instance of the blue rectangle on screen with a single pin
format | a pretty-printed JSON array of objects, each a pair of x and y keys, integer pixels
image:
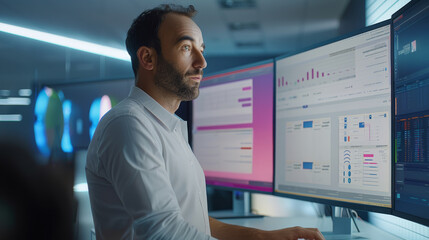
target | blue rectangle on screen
[
  {"x": 308, "y": 124},
  {"x": 307, "y": 165},
  {"x": 361, "y": 124}
]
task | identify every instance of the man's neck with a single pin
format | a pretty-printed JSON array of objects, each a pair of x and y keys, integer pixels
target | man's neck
[{"x": 166, "y": 99}]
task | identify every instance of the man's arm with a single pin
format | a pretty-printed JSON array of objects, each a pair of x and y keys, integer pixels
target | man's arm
[
  {"x": 133, "y": 163},
  {"x": 224, "y": 231}
]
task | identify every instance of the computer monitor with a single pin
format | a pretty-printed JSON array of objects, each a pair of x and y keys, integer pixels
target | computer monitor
[
  {"x": 410, "y": 43},
  {"x": 333, "y": 122},
  {"x": 66, "y": 114},
  {"x": 232, "y": 133}
]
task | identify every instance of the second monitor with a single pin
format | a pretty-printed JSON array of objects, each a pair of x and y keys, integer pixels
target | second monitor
[
  {"x": 333, "y": 122},
  {"x": 233, "y": 127}
]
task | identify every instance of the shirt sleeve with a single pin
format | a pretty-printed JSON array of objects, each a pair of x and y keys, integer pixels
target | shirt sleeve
[{"x": 132, "y": 157}]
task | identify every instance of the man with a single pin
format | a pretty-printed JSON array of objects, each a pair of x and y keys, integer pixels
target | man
[{"x": 144, "y": 181}]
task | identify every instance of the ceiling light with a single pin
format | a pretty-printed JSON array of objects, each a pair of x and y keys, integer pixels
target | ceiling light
[
  {"x": 10, "y": 117},
  {"x": 81, "y": 187},
  {"x": 66, "y": 42}
]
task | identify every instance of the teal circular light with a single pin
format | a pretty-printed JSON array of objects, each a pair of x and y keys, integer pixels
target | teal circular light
[
  {"x": 49, "y": 123},
  {"x": 99, "y": 107},
  {"x": 66, "y": 144}
]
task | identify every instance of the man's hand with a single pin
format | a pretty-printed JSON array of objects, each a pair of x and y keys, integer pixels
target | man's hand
[
  {"x": 293, "y": 233},
  {"x": 224, "y": 231}
]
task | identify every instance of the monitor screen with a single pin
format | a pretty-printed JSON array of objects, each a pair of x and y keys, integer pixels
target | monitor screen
[
  {"x": 66, "y": 114},
  {"x": 232, "y": 131},
  {"x": 333, "y": 121},
  {"x": 411, "y": 81}
]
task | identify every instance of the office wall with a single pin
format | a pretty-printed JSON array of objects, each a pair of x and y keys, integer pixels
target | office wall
[{"x": 353, "y": 17}]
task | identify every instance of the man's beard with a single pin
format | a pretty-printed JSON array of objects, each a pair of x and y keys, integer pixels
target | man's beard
[{"x": 171, "y": 80}]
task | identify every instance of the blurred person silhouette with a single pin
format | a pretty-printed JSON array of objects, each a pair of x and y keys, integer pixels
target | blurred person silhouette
[{"x": 36, "y": 202}]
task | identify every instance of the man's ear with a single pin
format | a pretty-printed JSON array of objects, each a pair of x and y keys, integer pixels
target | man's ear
[{"x": 147, "y": 57}]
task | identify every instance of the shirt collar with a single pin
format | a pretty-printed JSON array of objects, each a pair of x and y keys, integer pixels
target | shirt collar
[{"x": 165, "y": 117}]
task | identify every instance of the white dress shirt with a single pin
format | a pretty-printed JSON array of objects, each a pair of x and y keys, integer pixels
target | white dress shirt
[{"x": 143, "y": 178}]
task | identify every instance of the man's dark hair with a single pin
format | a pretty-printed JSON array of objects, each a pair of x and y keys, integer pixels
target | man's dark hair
[{"x": 144, "y": 30}]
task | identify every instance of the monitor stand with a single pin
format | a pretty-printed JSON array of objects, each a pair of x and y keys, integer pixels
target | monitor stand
[
  {"x": 341, "y": 225},
  {"x": 240, "y": 207}
]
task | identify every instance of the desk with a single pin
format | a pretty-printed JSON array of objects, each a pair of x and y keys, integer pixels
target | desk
[{"x": 367, "y": 231}]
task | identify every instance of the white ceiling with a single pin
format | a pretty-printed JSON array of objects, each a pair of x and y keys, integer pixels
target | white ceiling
[{"x": 281, "y": 26}]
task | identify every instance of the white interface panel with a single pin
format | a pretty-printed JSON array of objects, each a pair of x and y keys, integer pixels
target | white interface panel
[
  {"x": 333, "y": 121},
  {"x": 228, "y": 103},
  {"x": 223, "y": 110},
  {"x": 225, "y": 150}
]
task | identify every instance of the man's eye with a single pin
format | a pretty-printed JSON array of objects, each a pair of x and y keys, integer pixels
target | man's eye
[{"x": 187, "y": 48}]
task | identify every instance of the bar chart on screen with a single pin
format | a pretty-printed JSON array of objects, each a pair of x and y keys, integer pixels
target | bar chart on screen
[
  {"x": 332, "y": 67},
  {"x": 339, "y": 72}
]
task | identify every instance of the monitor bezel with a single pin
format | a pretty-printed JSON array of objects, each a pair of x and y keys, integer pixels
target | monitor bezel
[
  {"x": 339, "y": 203},
  {"x": 408, "y": 216},
  {"x": 232, "y": 70}
]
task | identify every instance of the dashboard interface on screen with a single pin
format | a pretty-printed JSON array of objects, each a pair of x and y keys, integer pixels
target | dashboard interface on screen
[
  {"x": 411, "y": 80},
  {"x": 333, "y": 121},
  {"x": 232, "y": 130}
]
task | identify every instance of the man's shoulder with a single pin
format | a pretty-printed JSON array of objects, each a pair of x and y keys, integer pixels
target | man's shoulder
[
  {"x": 119, "y": 127},
  {"x": 127, "y": 107},
  {"x": 126, "y": 112}
]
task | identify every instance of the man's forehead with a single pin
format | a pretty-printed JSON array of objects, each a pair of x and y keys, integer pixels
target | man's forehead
[{"x": 176, "y": 27}]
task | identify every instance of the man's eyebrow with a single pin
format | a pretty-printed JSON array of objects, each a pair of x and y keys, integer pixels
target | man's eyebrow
[{"x": 186, "y": 37}]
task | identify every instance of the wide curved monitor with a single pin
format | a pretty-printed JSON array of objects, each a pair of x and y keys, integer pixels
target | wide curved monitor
[
  {"x": 232, "y": 131},
  {"x": 410, "y": 38},
  {"x": 333, "y": 122}
]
